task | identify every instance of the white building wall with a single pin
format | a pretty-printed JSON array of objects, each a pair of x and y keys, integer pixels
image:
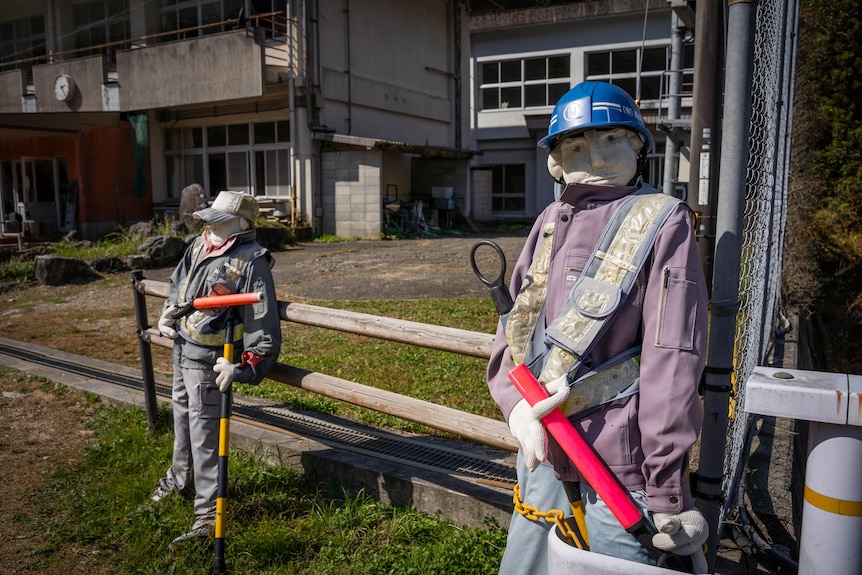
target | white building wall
[{"x": 506, "y": 135}]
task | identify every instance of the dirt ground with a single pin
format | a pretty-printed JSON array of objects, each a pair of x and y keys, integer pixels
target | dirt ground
[{"x": 41, "y": 431}]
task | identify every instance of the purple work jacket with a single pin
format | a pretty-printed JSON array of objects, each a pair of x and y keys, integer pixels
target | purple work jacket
[{"x": 644, "y": 438}]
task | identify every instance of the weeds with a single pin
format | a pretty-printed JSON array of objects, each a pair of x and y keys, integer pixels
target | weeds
[{"x": 277, "y": 520}]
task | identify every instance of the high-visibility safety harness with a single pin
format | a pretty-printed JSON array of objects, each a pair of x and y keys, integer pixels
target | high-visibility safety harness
[{"x": 598, "y": 294}]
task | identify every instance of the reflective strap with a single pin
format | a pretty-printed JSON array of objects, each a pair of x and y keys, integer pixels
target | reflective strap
[
  {"x": 530, "y": 301},
  {"x": 607, "y": 279},
  {"x": 615, "y": 382}
]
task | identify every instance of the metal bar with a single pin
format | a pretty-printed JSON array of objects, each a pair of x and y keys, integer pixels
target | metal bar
[
  {"x": 145, "y": 350},
  {"x": 725, "y": 289}
]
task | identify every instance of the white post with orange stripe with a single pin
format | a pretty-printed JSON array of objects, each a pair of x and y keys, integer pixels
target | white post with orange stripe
[{"x": 831, "y": 538}]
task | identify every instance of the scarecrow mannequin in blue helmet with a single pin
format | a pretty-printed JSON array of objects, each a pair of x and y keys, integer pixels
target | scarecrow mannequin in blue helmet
[{"x": 597, "y": 145}]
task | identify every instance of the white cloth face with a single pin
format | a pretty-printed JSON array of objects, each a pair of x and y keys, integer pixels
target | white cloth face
[
  {"x": 597, "y": 157},
  {"x": 220, "y": 231}
]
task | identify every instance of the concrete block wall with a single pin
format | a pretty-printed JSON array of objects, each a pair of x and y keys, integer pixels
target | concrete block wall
[{"x": 351, "y": 193}]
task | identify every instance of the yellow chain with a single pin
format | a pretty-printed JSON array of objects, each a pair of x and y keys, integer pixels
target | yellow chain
[{"x": 556, "y": 516}]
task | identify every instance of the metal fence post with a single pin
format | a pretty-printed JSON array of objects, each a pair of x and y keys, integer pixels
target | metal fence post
[
  {"x": 145, "y": 350},
  {"x": 724, "y": 304}
]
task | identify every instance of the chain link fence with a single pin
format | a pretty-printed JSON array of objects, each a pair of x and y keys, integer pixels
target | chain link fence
[{"x": 767, "y": 178}]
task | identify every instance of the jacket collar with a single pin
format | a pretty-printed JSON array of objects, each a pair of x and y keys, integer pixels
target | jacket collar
[{"x": 585, "y": 195}]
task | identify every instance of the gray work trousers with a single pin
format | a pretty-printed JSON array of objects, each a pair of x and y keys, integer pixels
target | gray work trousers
[{"x": 197, "y": 408}]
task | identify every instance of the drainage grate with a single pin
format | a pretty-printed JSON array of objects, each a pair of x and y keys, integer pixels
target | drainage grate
[{"x": 378, "y": 444}]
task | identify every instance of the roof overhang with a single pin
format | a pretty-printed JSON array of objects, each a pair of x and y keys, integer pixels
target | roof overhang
[{"x": 391, "y": 146}]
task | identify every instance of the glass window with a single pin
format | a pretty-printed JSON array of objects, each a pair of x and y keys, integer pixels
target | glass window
[
  {"x": 508, "y": 188},
  {"x": 252, "y": 157},
  {"x": 535, "y": 69},
  {"x": 638, "y": 72},
  {"x": 264, "y": 133},
  {"x": 237, "y": 134},
  {"x": 490, "y": 73},
  {"x": 510, "y": 97},
  {"x": 523, "y": 83},
  {"x": 510, "y": 71},
  {"x": 216, "y": 136}
]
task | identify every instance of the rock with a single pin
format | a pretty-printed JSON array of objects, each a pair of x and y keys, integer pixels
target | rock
[
  {"x": 110, "y": 264},
  {"x": 163, "y": 251},
  {"x": 141, "y": 230},
  {"x": 193, "y": 198},
  {"x": 55, "y": 271},
  {"x": 272, "y": 238}
]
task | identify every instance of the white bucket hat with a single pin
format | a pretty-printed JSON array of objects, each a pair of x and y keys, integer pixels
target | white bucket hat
[{"x": 229, "y": 205}]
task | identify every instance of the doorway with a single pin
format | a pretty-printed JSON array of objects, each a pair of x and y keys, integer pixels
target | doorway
[{"x": 34, "y": 195}]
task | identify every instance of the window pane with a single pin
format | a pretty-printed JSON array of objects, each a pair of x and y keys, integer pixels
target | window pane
[
  {"x": 168, "y": 136},
  {"x": 650, "y": 87},
  {"x": 558, "y": 67},
  {"x": 624, "y": 62},
  {"x": 217, "y": 173},
  {"x": 216, "y": 136},
  {"x": 194, "y": 170},
  {"x": 238, "y": 171},
  {"x": 598, "y": 64},
  {"x": 556, "y": 91},
  {"x": 655, "y": 59},
  {"x": 629, "y": 85},
  {"x": 534, "y": 69},
  {"x": 490, "y": 98},
  {"x": 264, "y": 133},
  {"x": 497, "y": 180},
  {"x": 516, "y": 177},
  {"x": 510, "y": 97},
  {"x": 237, "y": 134},
  {"x": 282, "y": 128},
  {"x": 490, "y": 73},
  {"x": 534, "y": 95},
  {"x": 510, "y": 71}
]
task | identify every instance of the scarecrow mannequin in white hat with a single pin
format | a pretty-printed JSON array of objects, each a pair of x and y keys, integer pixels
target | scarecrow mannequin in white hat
[{"x": 224, "y": 259}]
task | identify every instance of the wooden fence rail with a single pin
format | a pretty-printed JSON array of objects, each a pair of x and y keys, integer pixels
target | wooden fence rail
[{"x": 467, "y": 425}]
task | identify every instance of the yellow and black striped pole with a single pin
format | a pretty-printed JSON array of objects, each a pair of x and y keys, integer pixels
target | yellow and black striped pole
[{"x": 223, "y": 449}]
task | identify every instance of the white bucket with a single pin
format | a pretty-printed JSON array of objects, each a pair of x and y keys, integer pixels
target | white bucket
[{"x": 563, "y": 559}]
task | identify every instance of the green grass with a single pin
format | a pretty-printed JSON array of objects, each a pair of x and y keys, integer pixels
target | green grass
[{"x": 277, "y": 521}]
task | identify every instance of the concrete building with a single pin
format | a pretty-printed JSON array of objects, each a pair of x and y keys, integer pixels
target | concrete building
[
  {"x": 523, "y": 60},
  {"x": 335, "y": 112}
]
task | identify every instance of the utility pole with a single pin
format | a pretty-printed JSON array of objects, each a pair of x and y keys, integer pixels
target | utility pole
[{"x": 709, "y": 47}]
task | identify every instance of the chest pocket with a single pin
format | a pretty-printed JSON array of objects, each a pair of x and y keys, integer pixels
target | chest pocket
[{"x": 575, "y": 263}]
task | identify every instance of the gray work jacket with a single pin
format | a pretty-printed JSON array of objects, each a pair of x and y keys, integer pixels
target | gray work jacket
[{"x": 261, "y": 325}]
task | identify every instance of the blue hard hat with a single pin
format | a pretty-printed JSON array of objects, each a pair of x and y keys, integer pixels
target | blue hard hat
[{"x": 595, "y": 106}]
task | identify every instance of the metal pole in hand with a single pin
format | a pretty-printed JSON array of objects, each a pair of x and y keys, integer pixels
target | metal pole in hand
[{"x": 223, "y": 449}]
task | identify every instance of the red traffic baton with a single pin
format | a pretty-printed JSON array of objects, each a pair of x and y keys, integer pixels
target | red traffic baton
[
  {"x": 217, "y": 301},
  {"x": 229, "y": 300},
  {"x": 594, "y": 470}
]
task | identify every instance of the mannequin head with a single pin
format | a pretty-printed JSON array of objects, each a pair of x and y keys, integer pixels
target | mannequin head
[
  {"x": 230, "y": 213},
  {"x": 596, "y": 136},
  {"x": 598, "y": 157}
]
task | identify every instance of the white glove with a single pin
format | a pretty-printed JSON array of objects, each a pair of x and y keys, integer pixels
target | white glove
[
  {"x": 226, "y": 371},
  {"x": 683, "y": 534},
  {"x": 530, "y": 433},
  {"x": 525, "y": 422},
  {"x": 167, "y": 321}
]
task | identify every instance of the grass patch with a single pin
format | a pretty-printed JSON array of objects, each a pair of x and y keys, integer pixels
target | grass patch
[{"x": 278, "y": 522}]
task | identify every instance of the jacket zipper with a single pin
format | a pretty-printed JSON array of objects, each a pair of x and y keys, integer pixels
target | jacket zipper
[{"x": 662, "y": 303}]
